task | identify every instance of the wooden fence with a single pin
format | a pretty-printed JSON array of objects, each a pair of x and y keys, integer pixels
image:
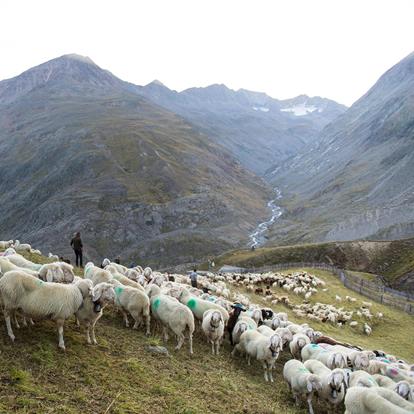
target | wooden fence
[{"x": 375, "y": 290}]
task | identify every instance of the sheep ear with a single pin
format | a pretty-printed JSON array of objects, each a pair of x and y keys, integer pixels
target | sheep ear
[
  {"x": 50, "y": 275},
  {"x": 330, "y": 361},
  {"x": 309, "y": 386}
]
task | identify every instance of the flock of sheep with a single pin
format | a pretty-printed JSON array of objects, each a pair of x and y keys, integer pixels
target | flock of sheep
[{"x": 366, "y": 381}]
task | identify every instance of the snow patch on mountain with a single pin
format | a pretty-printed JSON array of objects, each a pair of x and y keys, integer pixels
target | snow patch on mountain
[
  {"x": 260, "y": 108},
  {"x": 302, "y": 109}
]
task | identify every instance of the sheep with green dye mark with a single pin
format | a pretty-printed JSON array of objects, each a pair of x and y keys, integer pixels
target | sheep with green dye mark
[
  {"x": 264, "y": 349},
  {"x": 39, "y": 300},
  {"x": 135, "y": 302},
  {"x": 122, "y": 278},
  {"x": 20, "y": 261},
  {"x": 334, "y": 382},
  {"x": 199, "y": 306},
  {"x": 361, "y": 400},
  {"x": 213, "y": 328},
  {"x": 301, "y": 382},
  {"x": 172, "y": 315},
  {"x": 92, "y": 309}
]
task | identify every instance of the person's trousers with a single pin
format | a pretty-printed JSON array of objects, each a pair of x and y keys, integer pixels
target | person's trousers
[{"x": 78, "y": 254}]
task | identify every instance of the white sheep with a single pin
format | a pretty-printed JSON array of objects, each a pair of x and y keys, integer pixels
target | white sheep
[
  {"x": 285, "y": 334},
  {"x": 22, "y": 247},
  {"x": 53, "y": 256},
  {"x": 297, "y": 343},
  {"x": 301, "y": 382},
  {"x": 91, "y": 310},
  {"x": 122, "y": 278},
  {"x": 213, "y": 328},
  {"x": 361, "y": 400},
  {"x": 199, "y": 306},
  {"x": 96, "y": 274},
  {"x": 6, "y": 266},
  {"x": 243, "y": 324},
  {"x": 402, "y": 388},
  {"x": 38, "y": 299},
  {"x": 360, "y": 378},
  {"x": 133, "y": 301},
  {"x": 333, "y": 381},
  {"x": 264, "y": 349},
  {"x": 172, "y": 314},
  {"x": 331, "y": 359},
  {"x": 367, "y": 329},
  {"x": 6, "y": 244},
  {"x": 55, "y": 272},
  {"x": 20, "y": 261}
]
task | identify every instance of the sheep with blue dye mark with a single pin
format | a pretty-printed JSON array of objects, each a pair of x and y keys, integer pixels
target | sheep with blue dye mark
[
  {"x": 334, "y": 382},
  {"x": 301, "y": 382},
  {"x": 172, "y": 315},
  {"x": 264, "y": 349},
  {"x": 329, "y": 358},
  {"x": 361, "y": 400},
  {"x": 135, "y": 302},
  {"x": 213, "y": 328},
  {"x": 37, "y": 299},
  {"x": 92, "y": 308}
]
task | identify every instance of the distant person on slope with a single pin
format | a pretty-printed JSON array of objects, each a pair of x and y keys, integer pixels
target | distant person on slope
[
  {"x": 193, "y": 278},
  {"x": 77, "y": 246}
]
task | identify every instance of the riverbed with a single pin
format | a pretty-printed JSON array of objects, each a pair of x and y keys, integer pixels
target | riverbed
[{"x": 257, "y": 238}]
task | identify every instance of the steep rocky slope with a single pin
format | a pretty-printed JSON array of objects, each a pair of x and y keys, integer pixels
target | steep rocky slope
[
  {"x": 358, "y": 182},
  {"x": 257, "y": 129},
  {"x": 81, "y": 151}
]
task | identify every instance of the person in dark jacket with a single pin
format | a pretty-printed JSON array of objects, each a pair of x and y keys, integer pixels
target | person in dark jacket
[
  {"x": 193, "y": 278},
  {"x": 77, "y": 246}
]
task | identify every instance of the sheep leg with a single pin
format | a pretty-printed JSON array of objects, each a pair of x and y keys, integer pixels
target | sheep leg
[
  {"x": 212, "y": 347},
  {"x": 248, "y": 360},
  {"x": 95, "y": 342},
  {"x": 60, "y": 332},
  {"x": 24, "y": 322},
  {"x": 309, "y": 398},
  {"x": 88, "y": 337},
  {"x": 16, "y": 322},
  {"x": 31, "y": 321},
  {"x": 165, "y": 333},
  {"x": 124, "y": 314},
  {"x": 236, "y": 348},
  {"x": 8, "y": 324},
  {"x": 217, "y": 347},
  {"x": 191, "y": 343},
  {"x": 147, "y": 324},
  {"x": 180, "y": 341},
  {"x": 266, "y": 376}
]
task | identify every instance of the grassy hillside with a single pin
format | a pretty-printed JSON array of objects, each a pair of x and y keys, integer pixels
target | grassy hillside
[
  {"x": 392, "y": 259},
  {"x": 121, "y": 376}
]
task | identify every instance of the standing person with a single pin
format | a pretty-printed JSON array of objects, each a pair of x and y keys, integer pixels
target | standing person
[
  {"x": 193, "y": 277},
  {"x": 77, "y": 246}
]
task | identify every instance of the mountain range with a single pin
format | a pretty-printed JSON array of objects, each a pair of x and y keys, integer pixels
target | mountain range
[
  {"x": 163, "y": 177},
  {"x": 357, "y": 180}
]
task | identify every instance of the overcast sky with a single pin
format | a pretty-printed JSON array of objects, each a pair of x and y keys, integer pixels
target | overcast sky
[{"x": 336, "y": 49}]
